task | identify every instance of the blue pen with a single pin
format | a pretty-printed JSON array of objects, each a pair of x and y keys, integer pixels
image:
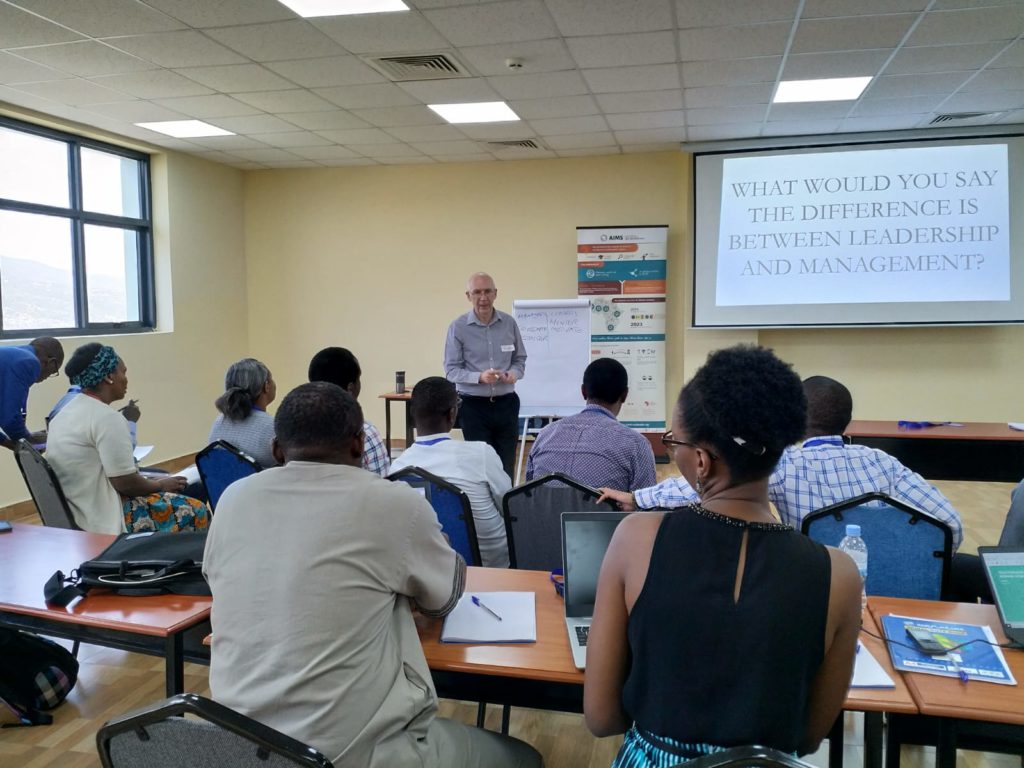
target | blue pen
[
  {"x": 959, "y": 670},
  {"x": 476, "y": 601}
]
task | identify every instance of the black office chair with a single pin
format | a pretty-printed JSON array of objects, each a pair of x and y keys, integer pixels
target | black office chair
[
  {"x": 214, "y": 736},
  {"x": 533, "y": 518},
  {"x": 44, "y": 487},
  {"x": 741, "y": 757},
  {"x": 453, "y": 509},
  {"x": 220, "y": 464}
]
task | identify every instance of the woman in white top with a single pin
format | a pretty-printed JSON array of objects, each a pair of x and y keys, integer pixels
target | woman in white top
[
  {"x": 90, "y": 450},
  {"x": 244, "y": 422}
]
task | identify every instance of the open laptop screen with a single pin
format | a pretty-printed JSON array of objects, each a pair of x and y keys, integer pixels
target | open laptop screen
[
  {"x": 1005, "y": 571},
  {"x": 585, "y": 538}
]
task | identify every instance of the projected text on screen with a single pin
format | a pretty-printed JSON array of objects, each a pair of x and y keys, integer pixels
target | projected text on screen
[{"x": 925, "y": 224}]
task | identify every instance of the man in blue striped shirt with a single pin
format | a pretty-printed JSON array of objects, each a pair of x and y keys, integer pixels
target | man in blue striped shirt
[{"x": 821, "y": 471}]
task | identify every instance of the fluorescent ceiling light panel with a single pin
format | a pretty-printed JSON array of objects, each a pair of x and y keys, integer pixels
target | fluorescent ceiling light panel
[
  {"x": 185, "y": 129},
  {"x": 478, "y": 112},
  {"x": 826, "y": 89},
  {"x": 311, "y": 8}
]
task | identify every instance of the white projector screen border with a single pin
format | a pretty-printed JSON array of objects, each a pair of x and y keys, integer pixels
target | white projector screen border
[{"x": 708, "y": 177}]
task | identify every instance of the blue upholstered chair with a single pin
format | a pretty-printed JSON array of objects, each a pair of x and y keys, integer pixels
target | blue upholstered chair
[
  {"x": 453, "y": 509},
  {"x": 908, "y": 551},
  {"x": 220, "y": 464}
]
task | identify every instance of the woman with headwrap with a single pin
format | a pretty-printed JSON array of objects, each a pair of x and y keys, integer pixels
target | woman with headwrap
[
  {"x": 90, "y": 450},
  {"x": 244, "y": 422}
]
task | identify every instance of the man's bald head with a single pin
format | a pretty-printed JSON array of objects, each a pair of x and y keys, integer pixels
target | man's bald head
[
  {"x": 829, "y": 406},
  {"x": 479, "y": 280}
]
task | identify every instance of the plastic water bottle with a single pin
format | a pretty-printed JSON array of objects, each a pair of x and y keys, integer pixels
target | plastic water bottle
[{"x": 853, "y": 545}]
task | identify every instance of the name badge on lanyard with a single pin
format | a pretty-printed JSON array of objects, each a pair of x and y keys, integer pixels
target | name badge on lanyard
[{"x": 508, "y": 347}]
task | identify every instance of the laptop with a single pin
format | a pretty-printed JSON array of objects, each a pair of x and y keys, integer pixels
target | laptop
[
  {"x": 585, "y": 538},
  {"x": 1004, "y": 569}
]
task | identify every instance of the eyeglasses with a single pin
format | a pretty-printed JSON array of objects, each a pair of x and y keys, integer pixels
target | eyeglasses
[
  {"x": 483, "y": 291},
  {"x": 671, "y": 444},
  {"x": 56, "y": 367}
]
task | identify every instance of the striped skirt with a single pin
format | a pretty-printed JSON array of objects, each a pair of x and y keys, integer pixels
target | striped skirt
[{"x": 642, "y": 749}]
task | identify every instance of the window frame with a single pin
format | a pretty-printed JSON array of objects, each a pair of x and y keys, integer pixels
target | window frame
[{"x": 79, "y": 218}]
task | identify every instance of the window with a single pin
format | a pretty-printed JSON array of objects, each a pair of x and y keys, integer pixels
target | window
[{"x": 75, "y": 235}]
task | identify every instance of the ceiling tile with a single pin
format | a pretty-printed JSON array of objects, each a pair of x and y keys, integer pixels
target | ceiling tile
[
  {"x": 455, "y": 91},
  {"x": 714, "y": 43},
  {"x": 25, "y": 99},
  {"x": 253, "y": 124},
  {"x": 725, "y": 115},
  {"x": 912, "y": 105},
  {"x": 480, "y": 157},
  {"x": 522, "y": 153},
  {"x": 486, "y": 23},
  {"x": 14, "y": 69},
  {"x": 996, "y": 79},
  {"x": 19, "y": 28},
  {"x": 177, "y": 49},
  {"x": 816, "y": 110},
  {"x": 333, "y": 152},
  {"x": 359, "y": 136},
  {"x": 341, "y": 161},
  {"x": 645, "y": 120},
  {"x": 724, "y": 131},
  {"x": 216, "y": 156},
  {"x": 580, "y": 140},
  {"x": 850, "y": 34},
  {"x": 417, "y": 160},
  {"x": 202, "y": 107},
  {"x": 799, "y": 127},
  {"x": 589, "y": 151},
  {"x": 373, "y": 95},
  {"x": 154, "y": 84},
  {"x": 102, "y": 18},
  {"x": 85, "y": 58},
  {"x": 648, "y": 135},
  {"x": 326, "y": 121},
  {"x": 292, "y": 164},
  {"x": 135, "y": 111},
  {"x": 223, "y": 13},
  {"x": 283, "y": 102},
  {"x": 655, "y": 77},
  {"x": 640, "y": 101},
  {"x": 1013, "y": 56},
  {"x": 941, "y": 58},
  {"x": 385, "y": 150},
  {"x": 277, "y": 41},
  {"x": 498, "y": 131},
  {"x": 389, "y": 117},
  {"x": 381, "y": 32},
  {"x": 425, "y": 133},
  {"x": 563, "y": 106},
  {"x": 761, "y": 69},
  {"x": 265, "y": 154},
  {"x": 729, "y": 96},
  {"x": 543, "y": 85},
  {"x": 984, "y": 101},
  {"x": 816, "y": 9},
  {"x": 457, "y": 147},
  {"x": 1016, "y": 117},
  {"x": 880, "y": 123},
  {"x": 535, "y": 55},
  {"x": 623, "y": 50},
  {"x": 326, "y": 72},
  {"x": 978, "y": 25},
  {"x": 229, "y": 143},
  {"x": 607, "y": 17},
  {"x": 236, "y": 78},
  {"x": 74, "y": 91},
  {"x": 700, "y": 13},
  {"x": 949, "y": 5},
  {"x": 896, "y": 86},
  {"x": 294, "y": 139},
  {"x": 812, "y": 66},
  {"x": 646, "y": 149},
  {"x": 557, "y": 125}
]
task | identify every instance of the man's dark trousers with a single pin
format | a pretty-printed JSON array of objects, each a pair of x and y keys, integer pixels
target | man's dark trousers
[{"x": 495, "y": 422}]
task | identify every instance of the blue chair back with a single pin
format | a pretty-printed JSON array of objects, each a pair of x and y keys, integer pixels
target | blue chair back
[
  {"x": 908, "y": 552},
  {"x": 220, "y": 464},
  {"x": 453, "y": 509}
]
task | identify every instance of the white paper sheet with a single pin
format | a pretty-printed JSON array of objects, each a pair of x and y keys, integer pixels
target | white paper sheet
[{"x": 470, "y": 623}]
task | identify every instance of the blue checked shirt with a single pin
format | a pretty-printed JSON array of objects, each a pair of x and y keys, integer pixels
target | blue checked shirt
[
  {"x": 825, "y": 471},
  {"x": 595, "y": 449},
  {"x": 375, "y": 454}
]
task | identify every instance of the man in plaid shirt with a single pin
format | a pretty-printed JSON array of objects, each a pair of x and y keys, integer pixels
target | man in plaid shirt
[{"x": 821, "y": 471}]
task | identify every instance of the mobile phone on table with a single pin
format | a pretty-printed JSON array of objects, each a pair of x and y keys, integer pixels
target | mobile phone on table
[
  {"x": 926, "y": 641},
  {"x": 5, "y": 527}
]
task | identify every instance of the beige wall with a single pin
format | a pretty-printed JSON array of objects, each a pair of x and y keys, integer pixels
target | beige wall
[{"x": 178, "y": 371}]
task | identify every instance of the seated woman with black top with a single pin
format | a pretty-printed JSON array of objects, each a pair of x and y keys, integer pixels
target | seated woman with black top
[{"x": 716, "y": 626}]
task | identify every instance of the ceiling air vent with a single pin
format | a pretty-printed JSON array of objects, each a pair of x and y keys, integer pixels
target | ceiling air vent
[
  {"x": 419, "y": 66},
  {"x": 964, "y": 118},
  {"x": 516, "y": 143}
]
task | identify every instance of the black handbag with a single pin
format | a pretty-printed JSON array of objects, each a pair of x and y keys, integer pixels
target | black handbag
[{"x": 148, "y": 563}]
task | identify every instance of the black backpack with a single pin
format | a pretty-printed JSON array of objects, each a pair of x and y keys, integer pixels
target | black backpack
[{"x": 35, "y": 674}]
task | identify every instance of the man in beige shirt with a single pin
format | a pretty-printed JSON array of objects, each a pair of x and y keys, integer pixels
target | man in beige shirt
[{"x": 315, "y": 568}]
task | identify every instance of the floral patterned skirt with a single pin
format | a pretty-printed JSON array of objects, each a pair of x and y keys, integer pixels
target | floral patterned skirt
[{"x": 164, "y": 512}]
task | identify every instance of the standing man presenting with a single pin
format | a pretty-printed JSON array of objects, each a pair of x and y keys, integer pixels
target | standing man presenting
[{"x": 484, "y": 357}]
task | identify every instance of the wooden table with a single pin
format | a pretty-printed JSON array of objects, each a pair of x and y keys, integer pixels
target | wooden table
[
  {"x": 986, "y": 451},
  {"x": 156, "y": 625},
  {"x": 389, "y": 398},
  {"x": 541, "y": 675},
  {"x": 976, "y": 715}
]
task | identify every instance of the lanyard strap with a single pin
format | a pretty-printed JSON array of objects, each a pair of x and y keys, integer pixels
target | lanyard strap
[{"x": 435, "y": 441}]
